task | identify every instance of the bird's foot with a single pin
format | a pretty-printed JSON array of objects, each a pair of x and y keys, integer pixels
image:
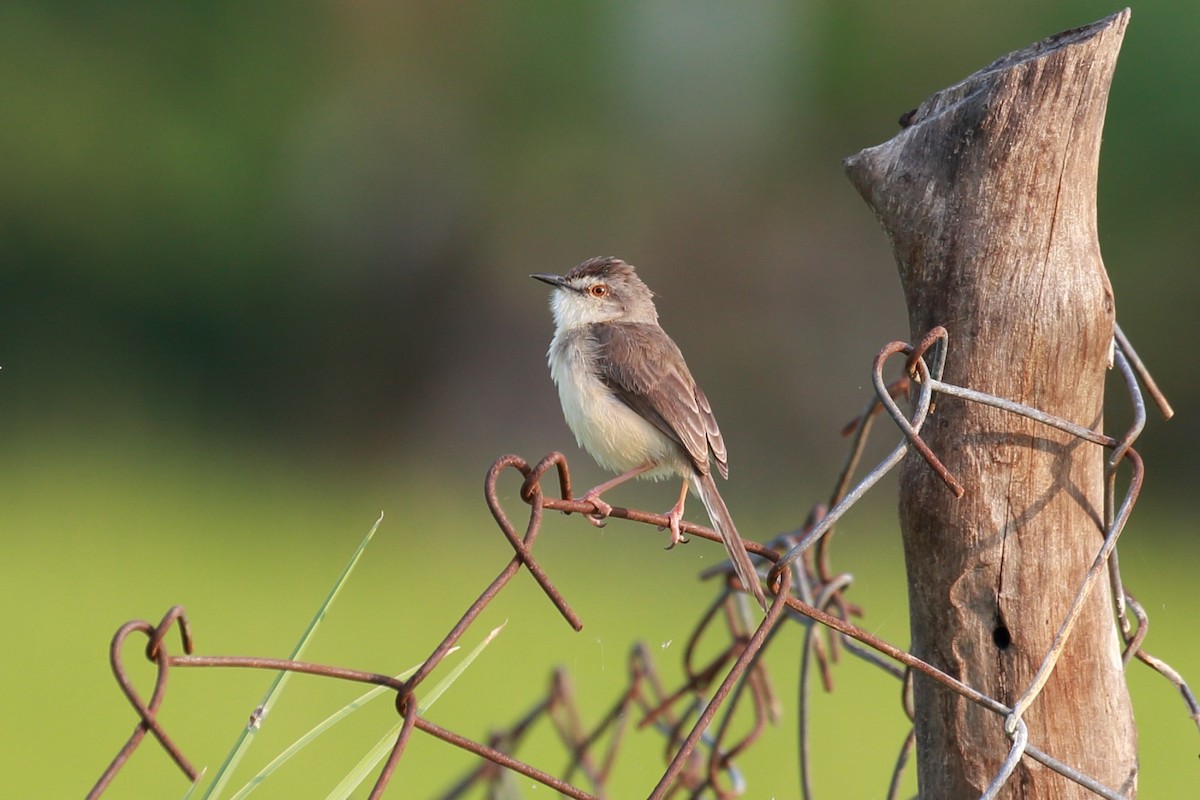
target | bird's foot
[
  {"x": 674, "y": 517},
  {"x": 603, "y": 509}
]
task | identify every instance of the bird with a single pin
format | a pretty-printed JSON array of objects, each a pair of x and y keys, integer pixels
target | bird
[{"x": 631, "y": 401}]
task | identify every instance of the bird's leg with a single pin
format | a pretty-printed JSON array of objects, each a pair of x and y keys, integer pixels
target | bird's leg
[
  {"x": 603, "y": 509},
  {"x": 675, "y": 516}
]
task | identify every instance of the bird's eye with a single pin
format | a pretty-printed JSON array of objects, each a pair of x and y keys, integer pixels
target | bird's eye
[{"x": 598, "y": 289}]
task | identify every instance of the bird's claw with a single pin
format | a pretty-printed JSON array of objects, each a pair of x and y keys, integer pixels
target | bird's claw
[
  {"x": 681, "y": 539},
  {"x": 674, "y": 517},
  {"x": 603, "y": 509}
]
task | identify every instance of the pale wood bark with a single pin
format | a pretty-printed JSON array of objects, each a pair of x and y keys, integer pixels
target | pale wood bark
[{"x": 988, "y": 195}]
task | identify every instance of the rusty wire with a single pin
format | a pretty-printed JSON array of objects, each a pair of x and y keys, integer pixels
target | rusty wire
[{"x": 694, "y": 719}]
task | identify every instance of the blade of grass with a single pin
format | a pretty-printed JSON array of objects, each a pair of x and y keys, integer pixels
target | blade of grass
[
  {"x": 315, "y": 732},
  {"x": 281, "y": 679},
  {"x": 195, "y": 784},
  {"x": 381, "y": 748}
]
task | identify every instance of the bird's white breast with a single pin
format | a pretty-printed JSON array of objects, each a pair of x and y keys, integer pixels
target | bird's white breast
[{"x": 613, "y": 433}]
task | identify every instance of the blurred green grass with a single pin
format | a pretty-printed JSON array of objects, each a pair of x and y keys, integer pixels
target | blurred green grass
[{"x": 250, "y": 545}]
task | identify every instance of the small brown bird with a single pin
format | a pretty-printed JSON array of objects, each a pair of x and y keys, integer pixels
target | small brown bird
[{"x": 630, "y": 400}]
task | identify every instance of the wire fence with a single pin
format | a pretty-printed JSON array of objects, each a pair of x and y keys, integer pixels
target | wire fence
[{"x": 695, "y": 717}]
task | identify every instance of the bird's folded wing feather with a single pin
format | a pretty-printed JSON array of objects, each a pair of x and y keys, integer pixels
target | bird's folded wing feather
[{"x": 647, "y": 372}]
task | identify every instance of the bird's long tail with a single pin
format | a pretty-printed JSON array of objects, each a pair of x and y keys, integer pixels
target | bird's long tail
[{"x": 706, "y": 488}]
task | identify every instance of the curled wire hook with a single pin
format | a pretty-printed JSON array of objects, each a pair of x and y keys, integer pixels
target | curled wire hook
[
  {"x": 531, "y": 492},
  {"x": 156, "y": 652}
]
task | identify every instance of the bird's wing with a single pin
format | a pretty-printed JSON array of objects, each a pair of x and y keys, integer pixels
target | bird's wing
[
  {"x": 715, "y": 442},
  {"x": 645, "y": 369}
]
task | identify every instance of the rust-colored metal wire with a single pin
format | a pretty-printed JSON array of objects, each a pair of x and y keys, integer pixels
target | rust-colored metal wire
[{"x": 695, "y": 719}]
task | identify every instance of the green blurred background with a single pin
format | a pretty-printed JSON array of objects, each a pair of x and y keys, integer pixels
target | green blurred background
[{"x": 264, "y": 274}]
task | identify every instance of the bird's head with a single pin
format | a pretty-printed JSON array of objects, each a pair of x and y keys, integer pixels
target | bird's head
[{"x": 599, "y": 290}]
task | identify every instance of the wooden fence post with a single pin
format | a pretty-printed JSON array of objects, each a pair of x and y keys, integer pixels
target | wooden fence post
[{"x": 988, "y": 195}]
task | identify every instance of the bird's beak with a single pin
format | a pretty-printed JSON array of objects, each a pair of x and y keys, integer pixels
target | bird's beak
[{"x": 554, "y": 280}]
